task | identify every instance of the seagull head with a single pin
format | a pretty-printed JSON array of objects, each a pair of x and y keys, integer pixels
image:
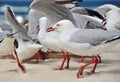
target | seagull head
[{"x": 63, "y": 25}]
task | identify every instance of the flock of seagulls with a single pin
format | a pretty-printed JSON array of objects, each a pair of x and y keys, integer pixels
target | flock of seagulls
[
  {"x": 84, "y": 41},
  {"x": 79, "y": 31}
]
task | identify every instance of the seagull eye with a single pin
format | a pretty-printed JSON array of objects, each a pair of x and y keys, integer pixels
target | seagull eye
[{"x": 58, "y": 25}]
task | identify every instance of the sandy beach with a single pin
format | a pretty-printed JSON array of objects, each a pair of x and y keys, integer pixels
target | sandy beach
[{"x": 107, "y": 71}]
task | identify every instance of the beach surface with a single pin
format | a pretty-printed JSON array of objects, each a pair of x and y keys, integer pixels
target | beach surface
[{"x": 107, "y": 71}]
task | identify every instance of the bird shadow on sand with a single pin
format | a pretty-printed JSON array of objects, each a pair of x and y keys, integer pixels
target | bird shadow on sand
[
  {"x": 104, "y": 64},
  {"x": 3, "y": 57},
  {"x": 45, "y": 62},
  {"x": 12, "y": 70},
  {"x": 90, "y": 67},
  {"x": 110, "y": 61},
  {"x": 109, "y": 71}
]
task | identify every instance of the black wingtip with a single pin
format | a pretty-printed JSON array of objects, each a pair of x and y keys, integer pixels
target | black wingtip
[
  {"x": 10, "y": 11},
  {"x": 113, "y": 39}
]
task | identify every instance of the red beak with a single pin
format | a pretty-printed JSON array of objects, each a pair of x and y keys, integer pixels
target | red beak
[{"x": 50, "y": 29}]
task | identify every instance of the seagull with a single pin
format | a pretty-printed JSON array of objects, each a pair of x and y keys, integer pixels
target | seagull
[
  {"x": 52, "y": 10},
  {"x": 88, "y": 22},
  {"x": 50, "y": 40},
  {"x": 85, "y": 11},
  {"x": 103, "y": 9},
  {"x": 56, "y": 12},
  {"x": 26, "y": 47},
  {"x": 89, "y": 12},
  {"x": 7, "y": 43},
  {"x": 34, "y": 16},
  {"x": 113, "y": 20},
  {"x": 85, "y": 41}
]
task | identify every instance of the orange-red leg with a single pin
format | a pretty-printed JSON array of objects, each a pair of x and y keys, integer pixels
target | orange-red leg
[
  {"x": 94, "y": 68},
  {"x": 66, "y": 57},
  {"x": 37, "y": 56},
  {"x": 19, "y": 63},
  {"x": 80, "y": 72}
]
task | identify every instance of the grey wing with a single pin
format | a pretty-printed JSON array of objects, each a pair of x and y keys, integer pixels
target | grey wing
[
  {"x": 53, "y": 11},
  {"x": 62, "y": 12},
  {"x": 82, "y": 21},
  {"x": 92, "y": 36},
  {"x": 92, "y": 25},
  {"x": 9, "y": 14},
  {"x": 79, "y": 10}
]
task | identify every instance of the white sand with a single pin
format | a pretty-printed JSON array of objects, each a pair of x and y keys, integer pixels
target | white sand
[{"x": 107, "y": 71}]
